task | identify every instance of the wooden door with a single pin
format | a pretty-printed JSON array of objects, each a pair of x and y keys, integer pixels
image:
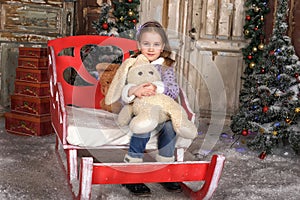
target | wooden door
[
  {"x": 211, "y": 63},
  {"x": 87, "y": 11}
]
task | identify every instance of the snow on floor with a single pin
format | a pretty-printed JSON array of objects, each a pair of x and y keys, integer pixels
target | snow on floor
[
  {"x": 245, "y": 177},
  {"x": 29, "y": 169}
]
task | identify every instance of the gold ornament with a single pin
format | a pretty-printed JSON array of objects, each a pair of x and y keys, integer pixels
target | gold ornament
[
  {"x": 252, "y": 65},
  {"x": 288, "y": 120},
  {"x": 297, "y": 110},
  {"x": 130, "y": 13},
  {"x": 275, "y": 133},
  {"x": 246, "y": 32},
  {"x": 256, "y": 9},
  {"x": 261, "y": 46},
  {"x": 254, "y": 49},
  {"x": 121, "y": 18}
]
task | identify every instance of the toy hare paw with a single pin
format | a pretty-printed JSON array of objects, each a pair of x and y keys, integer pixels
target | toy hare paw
[
  {"x": 188, "y": 130},
  {"x": 145, "y": 121}
]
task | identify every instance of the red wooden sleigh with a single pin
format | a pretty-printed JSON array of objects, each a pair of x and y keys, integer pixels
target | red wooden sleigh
[{"x": 63, "y": 94}]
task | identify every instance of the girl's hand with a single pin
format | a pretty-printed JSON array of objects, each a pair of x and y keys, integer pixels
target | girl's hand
[{"x": 145, "y": 89}]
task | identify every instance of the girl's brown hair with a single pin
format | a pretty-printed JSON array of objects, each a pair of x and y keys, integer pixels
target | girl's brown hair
[{"x": 156, "y": 27}]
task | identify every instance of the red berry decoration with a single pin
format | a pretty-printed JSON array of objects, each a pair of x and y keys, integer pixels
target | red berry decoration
[
  {"x": 262, "y": 70},
  {"x": 265, "y": 109},
  {"x": 248, "y": 17},
  {"x": 134, "y": 21},
  {"x": 244, "y": 132},
  {"x": 262, "y": 155},
  {"x": 296, "y": 75},
  {"x": 105, "y": 26}
]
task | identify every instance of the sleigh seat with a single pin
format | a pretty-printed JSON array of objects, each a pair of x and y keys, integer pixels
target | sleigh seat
[{"x": 80, "y": 123}]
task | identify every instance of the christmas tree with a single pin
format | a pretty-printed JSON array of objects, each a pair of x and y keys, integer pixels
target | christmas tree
[
  {"x": 118, "y": 19},
  {"x": 269, "y": 110},
  {"x": 127, "y": 15},
  {"x": 106, "y": 25}
]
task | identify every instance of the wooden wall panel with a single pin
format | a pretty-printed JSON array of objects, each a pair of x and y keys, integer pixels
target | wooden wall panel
[
  {"x": 31, "y": 19},
  {"x": 153, "y": 10},
  {"x": 35, "y": 21},
  {"x": 28, "y": 23}
]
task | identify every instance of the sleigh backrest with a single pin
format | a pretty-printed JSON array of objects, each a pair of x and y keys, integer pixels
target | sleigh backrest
[{"x": 73, "y": 60}]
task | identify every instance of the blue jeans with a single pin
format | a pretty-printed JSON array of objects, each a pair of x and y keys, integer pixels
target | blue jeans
[{"x": 165, "y": 142}]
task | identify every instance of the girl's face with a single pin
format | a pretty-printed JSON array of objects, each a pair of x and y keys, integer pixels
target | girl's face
[{"x": 151, "y": 45}]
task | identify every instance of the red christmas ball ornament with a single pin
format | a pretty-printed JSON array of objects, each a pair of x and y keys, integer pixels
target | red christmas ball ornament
[
  {"x": 134, "y": 21},
  {"x": 129, "y": 1},
  {"x": 262, "y": 70},
  {"x": 248, "y": 17},
  {"x": 256, "y": 28},
  {"x": 105, "y": 26},
  {"x": 244, "y": 132},
  {"x": 250, "y": 57},
  {"x": 262, "y": 155},
  {"x": 296, "y": 75},
  {"x": 265, "y": 109}
]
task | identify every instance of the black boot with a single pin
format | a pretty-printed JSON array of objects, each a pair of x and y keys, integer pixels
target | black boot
[
  {"x": 172, "y": 186},
  {"x": 139, "y": 189}
]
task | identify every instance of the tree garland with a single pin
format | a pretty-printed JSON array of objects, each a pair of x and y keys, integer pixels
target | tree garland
[{"x": 253, "y": 30}]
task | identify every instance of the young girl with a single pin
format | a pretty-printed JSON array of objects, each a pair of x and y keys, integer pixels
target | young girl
[{"x": 154, "y": 45}]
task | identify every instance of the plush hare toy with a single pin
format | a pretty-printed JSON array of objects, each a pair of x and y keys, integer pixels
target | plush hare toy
[{"x": 144, "y": 114}]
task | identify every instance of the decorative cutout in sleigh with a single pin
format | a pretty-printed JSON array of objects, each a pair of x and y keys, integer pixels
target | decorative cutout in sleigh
[{"x": 80, "y": 123}]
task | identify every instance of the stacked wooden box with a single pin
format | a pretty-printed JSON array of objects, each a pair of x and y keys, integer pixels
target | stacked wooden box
[{"x": 30, "y": 103}]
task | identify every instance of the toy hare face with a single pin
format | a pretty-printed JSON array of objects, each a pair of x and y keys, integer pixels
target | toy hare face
[{"x": 143, "y": 74}]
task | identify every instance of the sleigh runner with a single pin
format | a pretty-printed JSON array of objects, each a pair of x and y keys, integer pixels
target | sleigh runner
[{"x": 80, "y": 123}]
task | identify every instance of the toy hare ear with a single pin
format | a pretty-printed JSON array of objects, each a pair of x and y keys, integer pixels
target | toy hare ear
[
  {"x": 115, "y": 89},
  {"x": 141, "y": 59}
]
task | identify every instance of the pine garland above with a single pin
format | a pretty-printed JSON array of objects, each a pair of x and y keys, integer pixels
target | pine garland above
[{"x": 253, "y": 31}]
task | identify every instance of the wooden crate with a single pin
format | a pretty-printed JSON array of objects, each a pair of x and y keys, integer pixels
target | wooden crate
[
  {"x": 30, "y": 105},
  {"x": 32, "y": 89},
  {"x": 32, "y": 52},
  {"x": 33, "y": 63},
  {"x": 27, "y": 124},
  {"x": 32, "y": 75}
]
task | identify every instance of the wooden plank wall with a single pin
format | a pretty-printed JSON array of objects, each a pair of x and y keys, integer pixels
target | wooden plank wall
[{"x": 28, "y": 23}]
